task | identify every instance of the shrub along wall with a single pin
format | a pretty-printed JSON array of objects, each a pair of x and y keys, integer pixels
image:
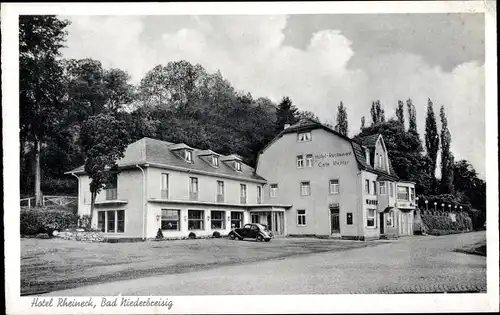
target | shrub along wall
[
  {"x": 441, "y": 222},
  {"x": 43, "y": 220}
]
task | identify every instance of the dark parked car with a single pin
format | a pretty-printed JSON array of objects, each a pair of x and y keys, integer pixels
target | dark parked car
[{"x": 251, "y": 230}]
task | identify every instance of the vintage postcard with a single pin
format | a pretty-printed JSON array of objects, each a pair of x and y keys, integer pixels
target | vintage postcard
[{"x": 322, "y": 157}]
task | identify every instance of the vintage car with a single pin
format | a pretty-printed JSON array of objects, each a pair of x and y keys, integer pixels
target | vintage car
[{"x": 251, "y": 230}]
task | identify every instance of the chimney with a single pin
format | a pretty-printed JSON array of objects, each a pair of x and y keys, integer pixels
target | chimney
[{"x": 286, "y": 126}]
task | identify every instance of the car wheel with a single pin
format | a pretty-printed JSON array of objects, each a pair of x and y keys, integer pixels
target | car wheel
[
  {"x": 268, "y": 240},
  {"x": 259, "y": 238},
  {"x": 231, "y": 236}
]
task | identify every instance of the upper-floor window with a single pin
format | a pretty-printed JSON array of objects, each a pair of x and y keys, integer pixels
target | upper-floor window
[
  {"x": 412, "y": 194},
  {"x": 164, "y": 186},
  {"x": 403, "y": 193},
  {"x": 374, "y": 190},
  {"x": 300, "y": 161},
  {"x": 309, "y": 160},
  {"x": 237, "y": 165},
  {"x": 382, "y": 188},
  {"x": 215, "y": 161},
  {"x": 220, "y": 191},
  {"x": 391, "y": 190},
  {"x": 274, "y": 190},
  {"x": 377, "y": 160},
  {"x": 382, "y": 161},
  {"x": 367, "y": 186},
  {"x": 193, "y": 188},
  {"x": 259, "y": 194},
  {"x": 305, "y": 188},
  {"x": 334, "y": 186},
  {"x": 304, "y": 136},
  {"x": 110, "y": 188},
  {"x": 188, "y": 155},
  {"x": 243, "y": 193}
]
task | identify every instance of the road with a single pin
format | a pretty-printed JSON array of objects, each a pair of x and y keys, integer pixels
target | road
[{"x": 412, "y": 264}]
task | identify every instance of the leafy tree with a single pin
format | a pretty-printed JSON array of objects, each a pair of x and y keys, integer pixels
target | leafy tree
[
  {"x": 342, "y": 125},
  {"x": 362, "y": 123},
  {"x": 431, "y": 140},
  {"x": 412, "y": 114},
  {"x": 377, "y": 113},
  {"x": 119, "y": 92},
  {"x": 400, "y": 115},
  {"x": 285, "y": 114},
  {"x": 40, "y": 40},
  {"x": 104, "y": 140},
  {"x": 307, "y": 115},
  {"x": 446, "y": 156}
]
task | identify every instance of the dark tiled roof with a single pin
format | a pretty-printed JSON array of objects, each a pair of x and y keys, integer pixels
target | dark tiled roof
[
  {"x": 369, "y": 141},
  {"x": 154, "y": 151}
]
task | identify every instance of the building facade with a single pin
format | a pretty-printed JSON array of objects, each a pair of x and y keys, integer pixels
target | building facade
[
  {"x": 309, "y": 181},
  {"x": 337, "y": 187}
]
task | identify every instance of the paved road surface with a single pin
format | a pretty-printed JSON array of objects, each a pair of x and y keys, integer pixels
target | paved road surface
[{"x": 412, "y": 264}]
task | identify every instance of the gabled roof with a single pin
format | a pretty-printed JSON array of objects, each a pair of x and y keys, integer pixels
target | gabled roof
[
  {"x": 369, "y": 141},
  {"x": 179, "y": 146},
  {"x": 231, "y": 157},
  {"x": 158, "y": 153},
  {"x": 207, "y": 152}
]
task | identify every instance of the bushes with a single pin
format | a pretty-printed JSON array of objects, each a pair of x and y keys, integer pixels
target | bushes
[
  {"x": 442, "y": 222},
  {"x": 43, "y": 220}
]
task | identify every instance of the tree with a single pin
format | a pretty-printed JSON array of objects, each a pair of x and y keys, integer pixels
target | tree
[
  {"x": 446, "y": 156},
  {"x": 362, "y": 123},
  {"x": 285, "y": 114},
  {"x": 412, "y": 117},
  {"x": 40, "y": 39},
  {"x": 305, "y": 114},
  {"x": 342, "y": 125},
  {"x": 118, "y": 91},
  {"x": 377, "y": 113},
  {"x": 400, "y": 113},
  {"x": 431, "y": 140},
  {"x": 104, "y": 140}
]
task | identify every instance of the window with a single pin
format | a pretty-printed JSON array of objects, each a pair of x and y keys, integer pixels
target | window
[
  {"x": 215, "y": 160},
  {"x": 164, "y": 186},
  {"x": 193, "y": 188},
  {"x": 309, "y": 160},
  {"x": 412, "y": 194},
  {"x": 301, "y": 217},
  {"x": 188, "y": 155},
  {"x": 237, "y": 165},
  {"x": 403, "y": 193},
  {"x": 300, "y": 161},
  {"x": 170, "y": 220},
  {"x": 349, "y": 218},
  {"x": 255, "y": 218},
  {"x": 220, "y": 191},
  {"x": 377, "y": 159},
  {"x": 243, "y": 193},
  {"x": 374, "y": 190},
  {"x": 195, "y": 220},
  {"x": 382, "y": 188},
  {"x": 259, "y": 194},
  {"x": 367, "y": 186},
  {"x": 382, "y": 161},
  {"x": 391, "y": 190},
  {"x": 390, "y": 219},
  {"x": 112, "y": 221},
  {"x": 218, "y": 220},
  {"x": 274, "y": 190},
  {"x": 304, "y": 136},
  {"x": 110, "y": 188},
  {"x": 305, "y": 189},
  {"x": 236, "y": 219},
  {"x": 334, "y": 186},
  {"x": 370, "y": 218}
]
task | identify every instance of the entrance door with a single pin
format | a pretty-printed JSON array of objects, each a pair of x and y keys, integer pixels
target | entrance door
[
  {"x": 382, "y": 223},
  {"x": 334, "y": 219}
]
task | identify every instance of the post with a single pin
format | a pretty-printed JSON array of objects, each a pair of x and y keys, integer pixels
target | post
[{"x": 29, "y": 203}]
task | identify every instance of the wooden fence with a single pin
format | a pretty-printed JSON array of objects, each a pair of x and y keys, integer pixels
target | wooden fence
[{"x": 50, "y": 200}]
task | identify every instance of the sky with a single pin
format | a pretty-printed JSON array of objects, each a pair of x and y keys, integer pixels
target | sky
[{"x": 316, "y": 60}]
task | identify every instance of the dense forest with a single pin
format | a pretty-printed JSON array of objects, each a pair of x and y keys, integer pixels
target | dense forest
[{"x": 67, "y": 105}]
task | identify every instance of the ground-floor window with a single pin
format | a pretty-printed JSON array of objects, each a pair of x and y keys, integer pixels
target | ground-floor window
[
  {"x": 370, "y": 217},
  {"x": 218, "y": 220},
  {"x": 236, "y": 219},
  {"x": 390, "y": 218},
  {"x": 195, "y": 220},
  {"x": 111, "y": 221},
  {"x": 170, "y": 220},
  {"x": 301, "y": 217},
  {"x": 254, "y": 217},
  {"x": 349, "y": 218}
]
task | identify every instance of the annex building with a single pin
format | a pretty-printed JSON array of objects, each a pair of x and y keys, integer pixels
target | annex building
[{"x": 309, "y": 180}]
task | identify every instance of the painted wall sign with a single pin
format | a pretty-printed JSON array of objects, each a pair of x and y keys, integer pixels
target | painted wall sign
[{"x": 322, "y": 161}]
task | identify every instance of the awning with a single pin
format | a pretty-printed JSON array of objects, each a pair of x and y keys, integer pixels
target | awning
[{"x": 385, "y": 210}]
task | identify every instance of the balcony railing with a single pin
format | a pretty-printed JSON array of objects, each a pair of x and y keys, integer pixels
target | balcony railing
[{"x": 111, "y": 194}]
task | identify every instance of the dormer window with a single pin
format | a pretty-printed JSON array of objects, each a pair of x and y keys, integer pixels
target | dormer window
[
  {"x": 188, "y": 155},
  {"x": 304, "y": 136},
  {"x": 367, "y": 156},
  {"x": 237, "y": 165},
  {"x": 215, "y": 160}
]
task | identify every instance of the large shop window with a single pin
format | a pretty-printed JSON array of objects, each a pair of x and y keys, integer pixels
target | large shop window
[
  {"x": 170, "y": 220},
  {"x": 112, "y": 221},
  {"x": 195, "y": 220},
  {"x": 217, "y": 219},
  {"x": 370, "y": 217},
  {"x": 403, "y": 193},
  {"x": 236, "y": 219}
]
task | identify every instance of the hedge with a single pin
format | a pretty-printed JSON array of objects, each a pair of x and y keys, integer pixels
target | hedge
[
  {"x": 443, "y": 222},
  {"x": 43, "y": 220}
]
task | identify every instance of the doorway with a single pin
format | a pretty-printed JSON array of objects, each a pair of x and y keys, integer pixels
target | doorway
[
  {"x": 382, "y": 222},
  {"x": 334, "y": 220}
]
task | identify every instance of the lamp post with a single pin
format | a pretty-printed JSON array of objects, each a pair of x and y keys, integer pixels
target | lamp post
[
  {"x": 460, "y": 208},
  {"x": 455, "y": 208},
  {"x": 449, "y": 208},
  {"x": 426, "y": 206},
  {"x": 416, "y": 202},
  {"x": 435, "y": 206},
  {"x": 442, "y": 206}
]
